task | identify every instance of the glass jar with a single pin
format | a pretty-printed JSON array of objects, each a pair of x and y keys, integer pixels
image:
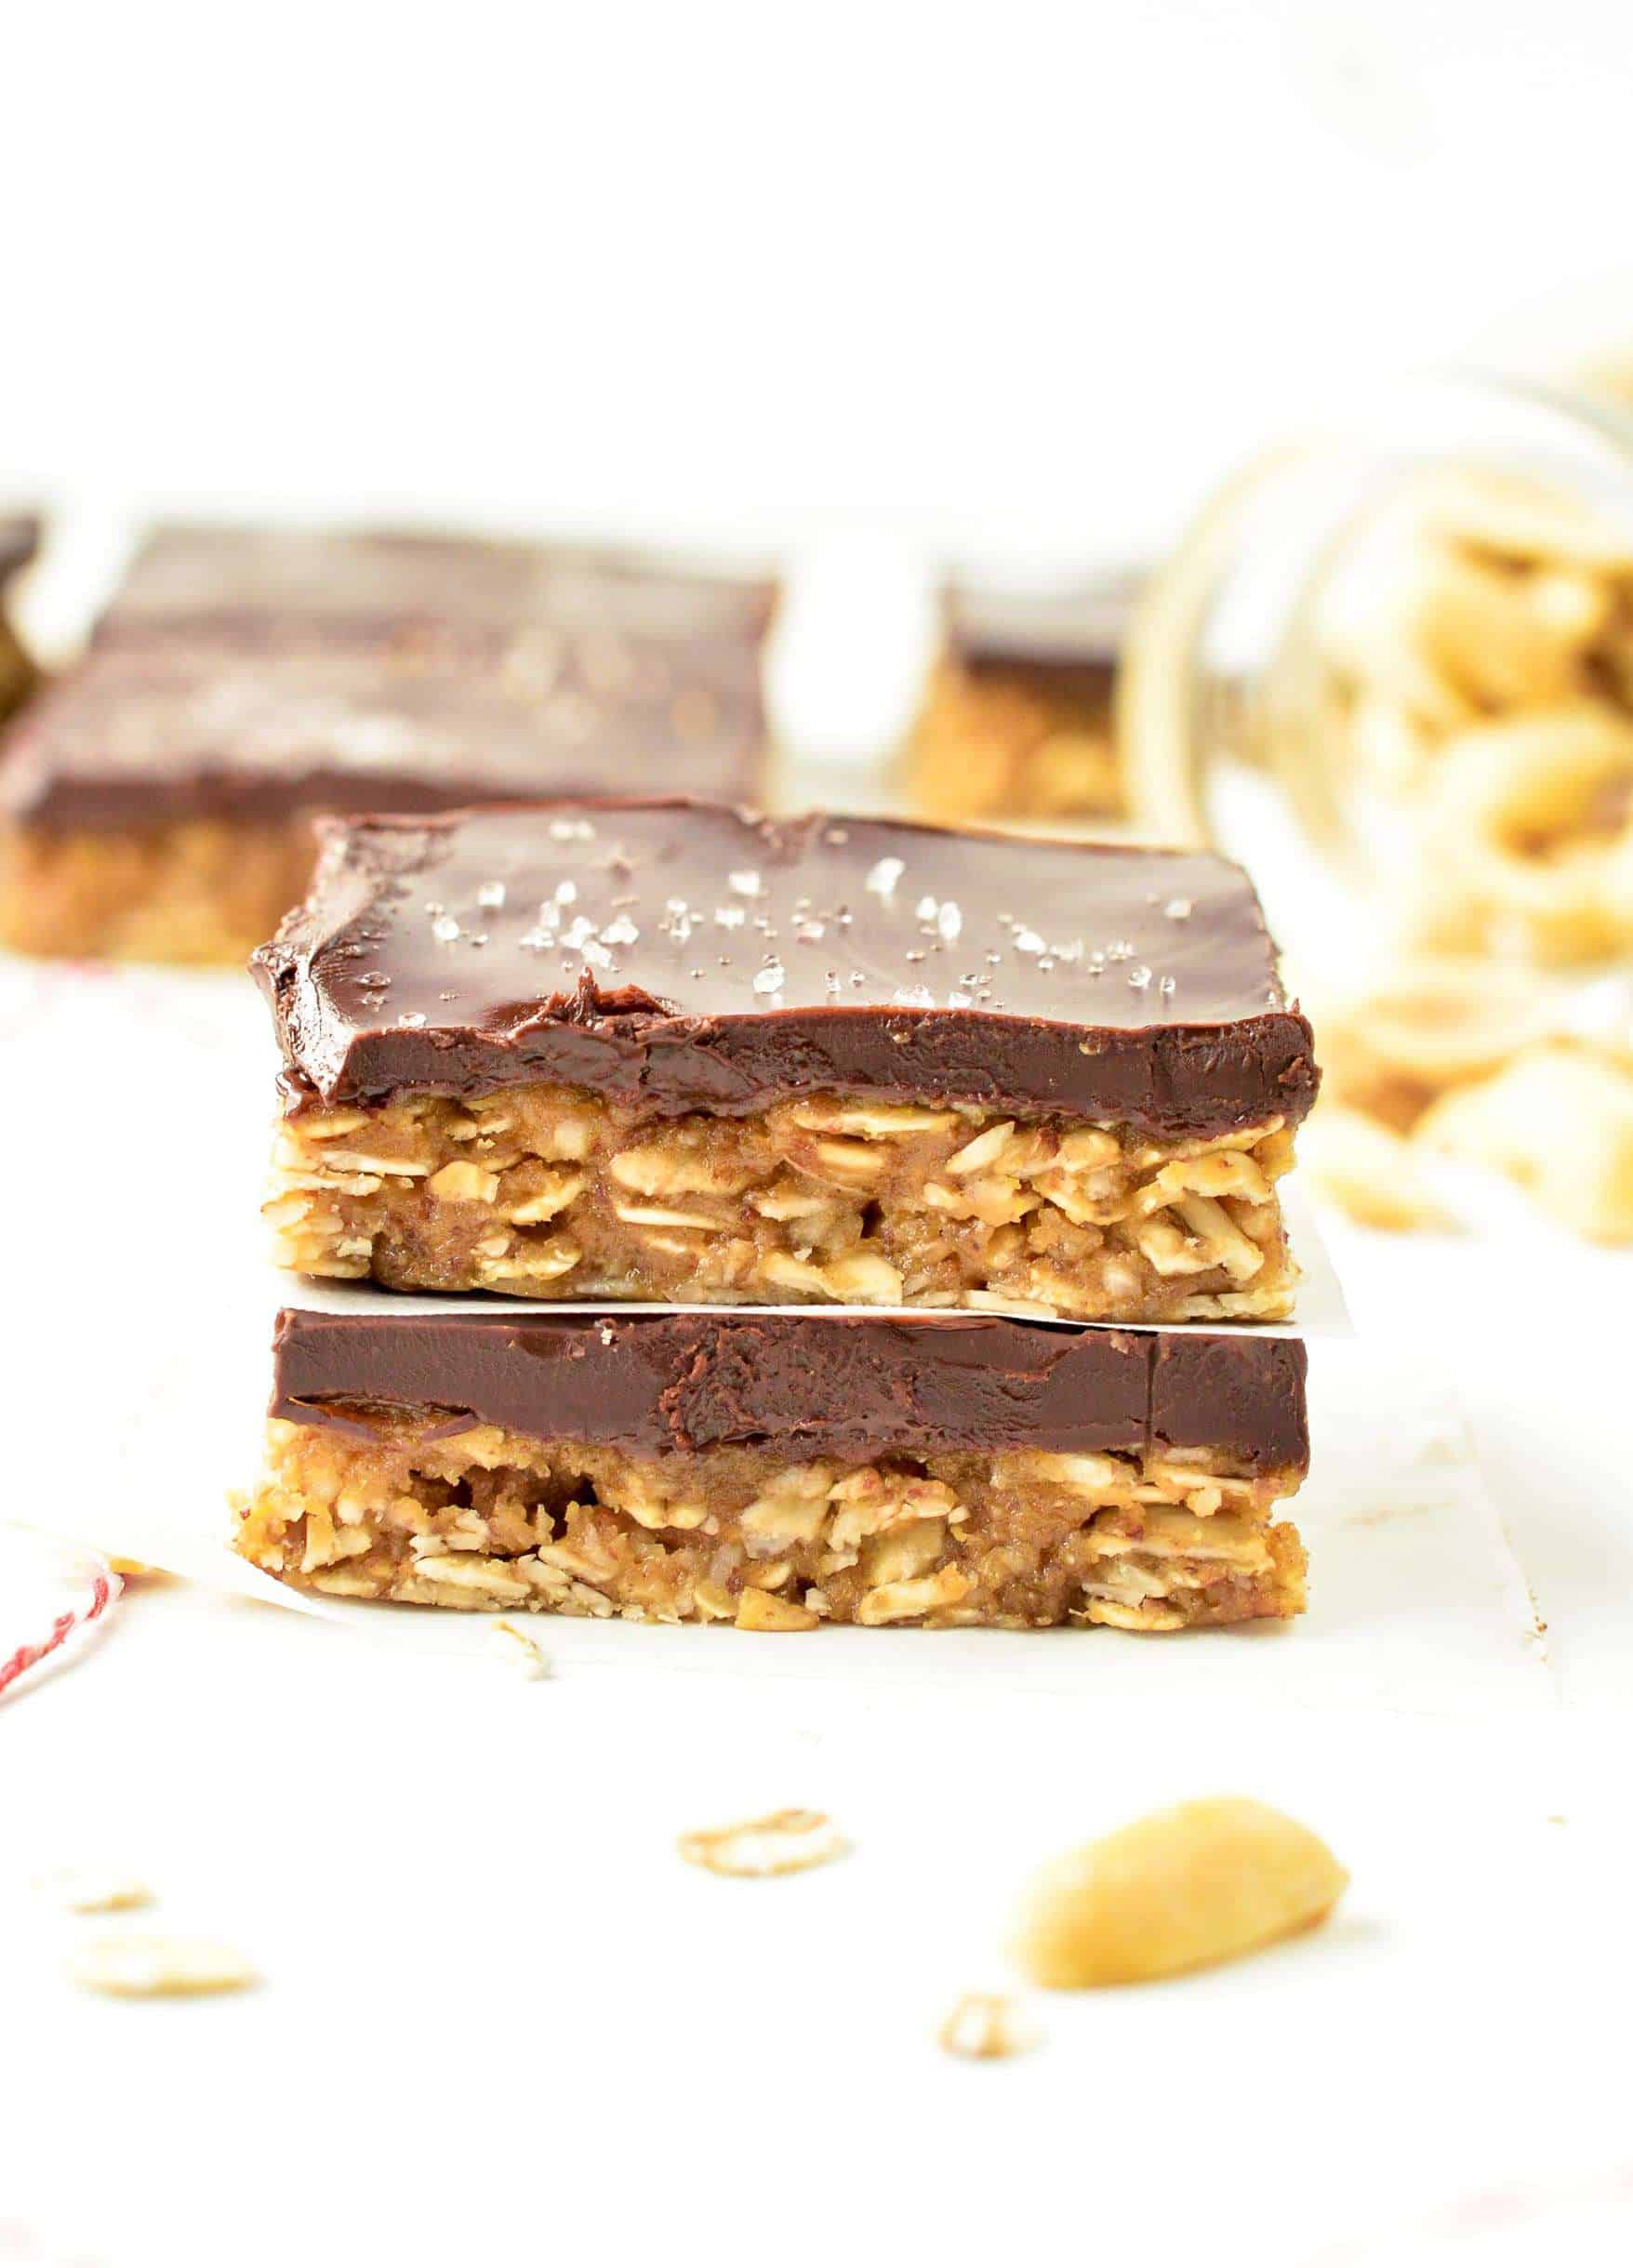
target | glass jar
[{"x": 1392, "y": 663}]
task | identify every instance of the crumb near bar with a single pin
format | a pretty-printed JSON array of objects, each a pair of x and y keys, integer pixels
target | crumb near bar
[
  {"x": 663, "y": 1052},
  {"x": 775, "y": 1471}
]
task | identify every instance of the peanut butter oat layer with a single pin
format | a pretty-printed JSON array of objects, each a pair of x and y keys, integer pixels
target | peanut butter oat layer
[
  {"x": 778, "y": 1471},
  {"x": 661, "y": 1051},
  {"x": 158, "y": 802},
  {"x": 1018, "y": 718}
]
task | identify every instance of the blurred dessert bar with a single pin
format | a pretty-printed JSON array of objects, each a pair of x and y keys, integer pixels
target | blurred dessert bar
[
  {"x": 19, "y": 540},
  {"x": 158, "y": 801},
  {"x": 1018, "y": 718},
  {"x": 776, "y": 1471},
  {"x": 659, "y": 1051}
]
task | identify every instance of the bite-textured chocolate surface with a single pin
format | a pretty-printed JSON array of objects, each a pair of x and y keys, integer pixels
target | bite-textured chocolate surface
[
  {"x": 688, "y": 959},
  {"x": 813, "y": 1384}
]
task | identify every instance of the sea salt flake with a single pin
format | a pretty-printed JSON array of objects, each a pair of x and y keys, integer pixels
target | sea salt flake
[
  {"x": 571, "y": 831},
  {"x": 884, "y": 877},
  {"x": 1027, "y": 941},
  {"x": 411, "y": 1017},
  {"x": 912, "y": 996},
  {"x": 1166, "y": 986},
  {"x": 746, "y": 882},
  {"x": 1120, "y": 950},
  {"x": 1178, "y": 909},
  {"x": 926, "y": 909},
  {"x": 948, "y": 919},
  {"x": 811, "y": 932},
  {"x": 1139, "y": 976},
  {"x": 958, "y": 999},
  {"x": 566, "y": 893},
  {"x": 620, "y": 932},
  {"x": 770, "y": 978},
  {"x": 730, "y": 917},
  {"x": 445, "y": 929},
  {"x": 491, "y": 894}
]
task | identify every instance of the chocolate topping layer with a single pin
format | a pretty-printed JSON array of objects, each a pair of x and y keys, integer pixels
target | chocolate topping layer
[
  {"x": 258, "y": 674},
  {"x": 141, "y": 737},
  {"x": 679, "y": 957},
  {"x": 847, "y": 1386},
  {"x": 1079, "y": 629},
  {"x": 271, "y": 587}
]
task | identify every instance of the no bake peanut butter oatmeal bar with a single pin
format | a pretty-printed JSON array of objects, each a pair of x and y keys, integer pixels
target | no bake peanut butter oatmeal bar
[
  {"x": 1017, "y": 719},
  {"x": 666, "y": 1052},
  {"x": 158, "y": 802},
  {"x": 778, "y": 1471}
]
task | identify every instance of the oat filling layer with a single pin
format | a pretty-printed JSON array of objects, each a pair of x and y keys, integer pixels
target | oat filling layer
[
  {"x": 552, "y": 1190},
  {"x": 200, "y": 890},
  {"x": 1013, "y": 743},
  {"x": 400, "y": 1509}
]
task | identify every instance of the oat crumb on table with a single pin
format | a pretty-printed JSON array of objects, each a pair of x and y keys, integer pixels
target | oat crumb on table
[
  {"x": 985, "y": 2027},
  {"x": 95, "y": 1888},
  {"x": 144, "y": 1968},
  {"x": 780, "y": 1843}
]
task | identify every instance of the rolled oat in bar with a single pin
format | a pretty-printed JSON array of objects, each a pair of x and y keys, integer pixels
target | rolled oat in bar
[
  {"x": 666, "y": 1052},
  {"x": 776, "y": 1471}
]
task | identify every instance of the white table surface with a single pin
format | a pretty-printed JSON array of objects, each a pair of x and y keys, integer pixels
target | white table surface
[{"x": 500, "y": 2018}]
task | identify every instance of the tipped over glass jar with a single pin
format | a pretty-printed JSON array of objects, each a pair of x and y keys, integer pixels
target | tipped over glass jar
[{"x": 1417, "y": 625}]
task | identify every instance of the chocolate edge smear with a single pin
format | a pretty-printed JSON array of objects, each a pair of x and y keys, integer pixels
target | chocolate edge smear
[
  {"x": 432, "y": 957},
  {"x": 849, "y": 1386}
]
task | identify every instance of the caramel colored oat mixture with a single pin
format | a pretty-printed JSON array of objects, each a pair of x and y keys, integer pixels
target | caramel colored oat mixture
[
  {"x": 488, "y": 1519},
  {"x": 200, "y": 891},
  {"x": 551, "y": 1190}
]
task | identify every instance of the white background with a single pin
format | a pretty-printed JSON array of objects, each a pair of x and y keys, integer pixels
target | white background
[
  {"x": 982, "y": 276},
  {"x": 992, "y": 280}
]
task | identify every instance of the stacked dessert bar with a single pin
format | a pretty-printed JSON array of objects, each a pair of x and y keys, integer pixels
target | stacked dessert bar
[
  {"x": 928, "y": 1132},
  {"x": 158, "y": 801}
]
